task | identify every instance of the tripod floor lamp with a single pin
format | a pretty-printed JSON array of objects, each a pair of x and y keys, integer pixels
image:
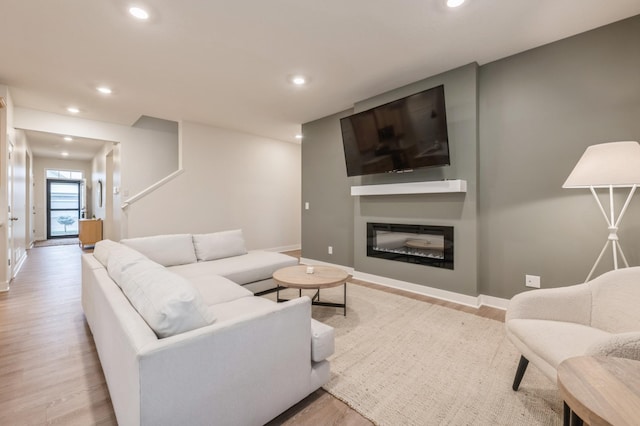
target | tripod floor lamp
[{"x": 608, "y": 165}]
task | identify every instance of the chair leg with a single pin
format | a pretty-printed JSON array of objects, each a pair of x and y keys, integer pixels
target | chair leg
[{"x": 522, "y": 367}]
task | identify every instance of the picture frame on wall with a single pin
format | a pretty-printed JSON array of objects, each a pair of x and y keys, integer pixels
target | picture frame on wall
[{"x": 99, "y": 193}]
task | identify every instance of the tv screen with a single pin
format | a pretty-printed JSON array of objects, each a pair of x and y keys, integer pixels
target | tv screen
[{"x": 405, "y": 134}]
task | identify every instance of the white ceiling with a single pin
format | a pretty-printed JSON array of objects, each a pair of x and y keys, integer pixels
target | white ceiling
[
  {"x": 226, "y": 63},
  {"x": 51, "y": 145}
]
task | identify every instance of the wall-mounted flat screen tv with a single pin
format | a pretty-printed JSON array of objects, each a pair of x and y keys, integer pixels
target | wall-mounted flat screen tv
[{"x": 405, "y": 134}]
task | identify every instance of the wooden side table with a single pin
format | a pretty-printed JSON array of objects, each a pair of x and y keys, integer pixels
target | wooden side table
[
  {"x": 322, "y": 277},
  {"x": 90, "y": 232},
  {"x": 600, "y": 391}
]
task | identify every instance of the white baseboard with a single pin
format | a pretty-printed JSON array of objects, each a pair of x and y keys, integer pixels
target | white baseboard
[
  {"x": 19, "y": 263},
  {"x": 449, "y": 296},
  {"x": 305, "y": 261},
  {"x": 4, "y": 287},
  {"x": 494, "y": 302},
  {"x": 284, "y": 248}
]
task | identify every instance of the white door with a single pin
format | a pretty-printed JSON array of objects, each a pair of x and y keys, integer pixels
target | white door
[
  {"x": 17, "y": 208},
  {"x": 11, "y": 218}
]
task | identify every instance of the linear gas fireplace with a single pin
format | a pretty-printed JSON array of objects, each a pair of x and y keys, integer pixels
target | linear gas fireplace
[{"x": 423, "y": 244}]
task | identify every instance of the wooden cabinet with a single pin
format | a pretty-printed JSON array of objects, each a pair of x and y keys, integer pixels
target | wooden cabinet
[{"x": 90, "y": 232}]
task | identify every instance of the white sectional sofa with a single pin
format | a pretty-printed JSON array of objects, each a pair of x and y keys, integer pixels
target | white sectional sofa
[{"x": 181, "y": 343}]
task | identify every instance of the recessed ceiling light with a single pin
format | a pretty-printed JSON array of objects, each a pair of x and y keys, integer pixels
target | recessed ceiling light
[
  {"x": 104, "y": 90},
  {"x": 298, "y": 80},
  {"x": 139, "y": 13},
  {"x": 298, "y": 136},
  {"x": 455, "y": 3},
  {"x": 64, "y": 154},
  {"x": 73, "y": 110},
  {"x": 68, "y": 138}
]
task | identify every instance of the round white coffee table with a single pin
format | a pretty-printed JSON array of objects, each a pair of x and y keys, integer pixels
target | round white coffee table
[{"x": 322, "y": 277}]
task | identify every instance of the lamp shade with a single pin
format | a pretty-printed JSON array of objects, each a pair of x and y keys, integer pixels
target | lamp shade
[{"x": 607, "y": 164}]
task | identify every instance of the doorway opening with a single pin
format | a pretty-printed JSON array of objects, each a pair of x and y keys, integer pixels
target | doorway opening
[{"x": 65, "y": 205}]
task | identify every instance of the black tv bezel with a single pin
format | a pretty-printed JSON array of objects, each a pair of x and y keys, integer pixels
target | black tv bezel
[{"x": 384, "y": 105}]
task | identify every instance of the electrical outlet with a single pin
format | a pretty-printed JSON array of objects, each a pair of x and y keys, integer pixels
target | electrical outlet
[
  {"x": 532, "y": 281},
  {"x": 330, "y": 250},
  {"x": 306, "y": 205}
]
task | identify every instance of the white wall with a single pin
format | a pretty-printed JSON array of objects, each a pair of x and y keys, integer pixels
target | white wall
[
  {"x": 102, "y": 167},
  {"x": 19, "y": 206},
  {"x": 98, "y": 172},
  {"x": 21, "y": 191},
  {"x": 230, "y": 180},
  {"x": 40, "y": 189},
  {"x": 147, "y": 155},
  {"x": 6, "y": 118},
  {"x": 141, "y": 157}
]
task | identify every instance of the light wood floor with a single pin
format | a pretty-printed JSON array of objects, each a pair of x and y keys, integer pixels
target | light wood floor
[{"x": 49, "y": 368}]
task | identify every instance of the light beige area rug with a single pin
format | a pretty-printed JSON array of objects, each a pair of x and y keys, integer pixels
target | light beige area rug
[
  {"x": 56, "y": 242},
  {"x": 400, "y": 361}
]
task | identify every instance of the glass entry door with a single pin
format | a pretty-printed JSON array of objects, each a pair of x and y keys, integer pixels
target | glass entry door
[{"x": 63, "y": 208}]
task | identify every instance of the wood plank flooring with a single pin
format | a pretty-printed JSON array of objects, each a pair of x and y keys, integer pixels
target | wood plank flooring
[{"x": 49, "y": 368}]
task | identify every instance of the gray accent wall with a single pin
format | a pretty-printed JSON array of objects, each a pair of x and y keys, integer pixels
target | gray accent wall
[
  {"x": 326, "y": 187},
  {"x": 336, "y": 218},
  {"x": 456, "y": 209},
  {"x": 539, "y": 110},
  {"x": 517, "y": 128}
]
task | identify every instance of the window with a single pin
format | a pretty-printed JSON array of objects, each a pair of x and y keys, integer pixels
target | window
[{"x": 65, "y": 174}]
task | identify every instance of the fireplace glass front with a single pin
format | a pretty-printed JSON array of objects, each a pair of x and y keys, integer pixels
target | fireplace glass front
[{"x": 423, "y": 244}]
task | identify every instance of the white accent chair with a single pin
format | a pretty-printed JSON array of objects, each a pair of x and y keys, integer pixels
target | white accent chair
[{"x": 600, "y": 318}]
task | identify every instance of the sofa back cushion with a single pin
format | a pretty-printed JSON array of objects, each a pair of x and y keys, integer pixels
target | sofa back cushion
[
  {"x": 167, "y": 302},
  {"x": 615, "y": 297},
  {"x": 103, "y": 249},
  {"x": 120, "y": 258},
  {"x": 167, "y": 250},
  {"x": 219, "y": 245}
]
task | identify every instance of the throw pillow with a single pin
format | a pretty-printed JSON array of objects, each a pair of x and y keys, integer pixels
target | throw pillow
[
  {"x": 167, "y": 302},
  {"x": 167, "y": 250},
  {"x": 219, "y": 245}
]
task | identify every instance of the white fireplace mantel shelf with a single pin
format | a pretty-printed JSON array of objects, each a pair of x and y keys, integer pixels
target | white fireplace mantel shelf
[{"x": 432, "y": 187}]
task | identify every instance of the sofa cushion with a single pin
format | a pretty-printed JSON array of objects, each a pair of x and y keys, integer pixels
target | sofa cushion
[
  {"x": 166, "y": 301},
  {"x": 243, "y": 306},
  {"x": 120, "y": 258},
  {"x": 244, "y": 269},
  {"x": 219, "y": 245},
  {"x": 555, "y": 341},
  {"x": 322, "y": 341},
  {"x": 167, "y": 250},
  {"x": 103, "y": 249},
  {"x": 216, "y": 289}
]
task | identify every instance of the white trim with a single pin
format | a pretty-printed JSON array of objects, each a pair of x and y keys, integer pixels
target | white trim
[
  {"x": 306, "y": 261},
  {"x": 282, "y": 248},
  {"x": 19, "y": 264},
  {"x": 430, "y": 187},
  {"x": 449, "y": 296},
  {"x": 494, "y": 302},
  {"x": 5, "y": 287}
]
